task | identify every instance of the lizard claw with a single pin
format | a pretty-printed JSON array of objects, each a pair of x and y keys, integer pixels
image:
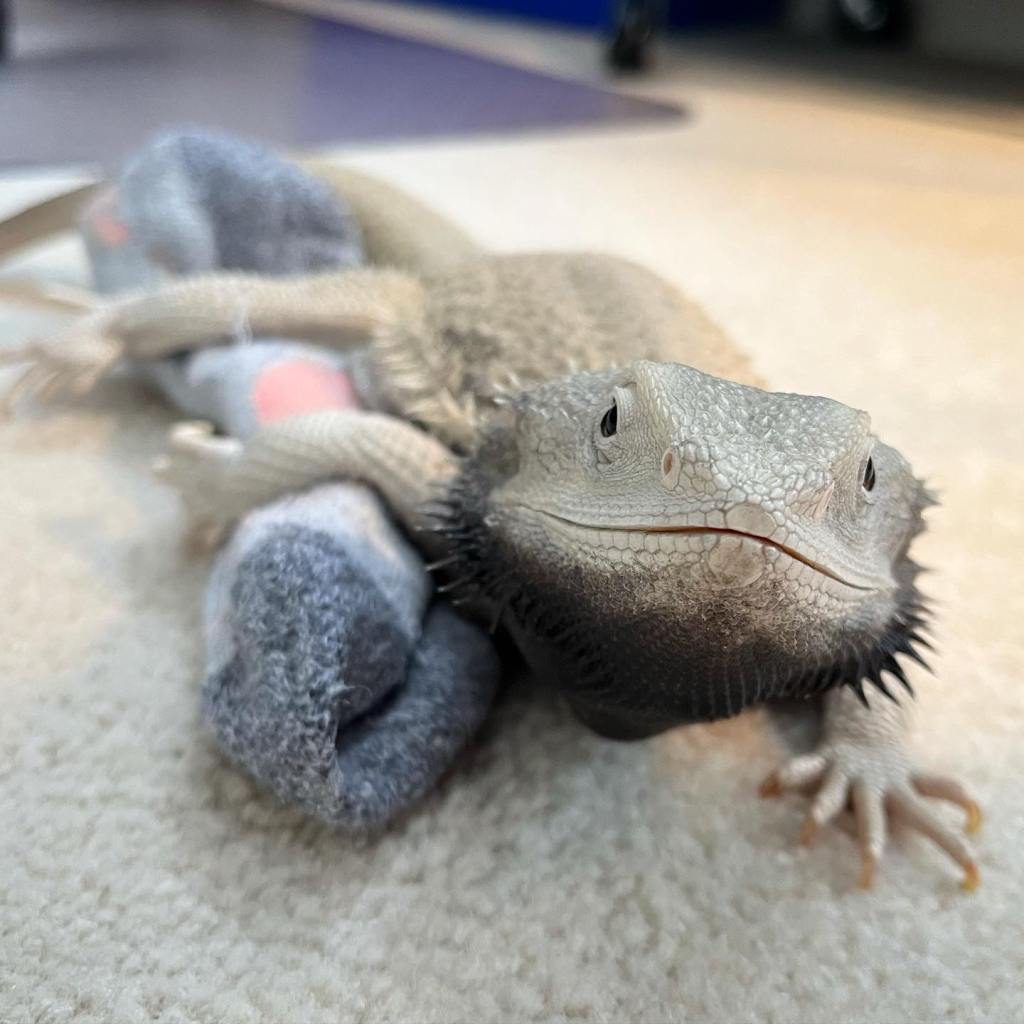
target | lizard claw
[
  {"x": 67, "y": 364},
  {"x": 942, "y": 788},
  {"x": 197, "y": 465},
  {"x": 882, "y": 789},
  {"x": 197, "y": 458}
]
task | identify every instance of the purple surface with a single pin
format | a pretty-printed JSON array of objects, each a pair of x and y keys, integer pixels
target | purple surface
[{"x": 117, "y": 71}]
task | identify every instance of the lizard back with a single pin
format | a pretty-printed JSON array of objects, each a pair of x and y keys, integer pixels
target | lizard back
[{"x": 496, "y": 322}]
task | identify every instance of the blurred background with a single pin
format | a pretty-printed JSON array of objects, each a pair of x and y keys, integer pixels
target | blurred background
[{"x": 86, "y": 80}]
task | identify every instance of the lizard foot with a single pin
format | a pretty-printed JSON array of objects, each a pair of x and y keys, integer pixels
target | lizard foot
[
  {"x": 197, "y": 465},
  {"x": 68, "y": 363},
  {"x": 882, "y": 787}
]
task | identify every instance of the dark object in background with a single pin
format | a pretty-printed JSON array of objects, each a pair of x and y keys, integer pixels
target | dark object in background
[
  {"x": 4, "y": 27},
  {"x": 635, "y": 22},
  {"x": 872, "y": 21}
]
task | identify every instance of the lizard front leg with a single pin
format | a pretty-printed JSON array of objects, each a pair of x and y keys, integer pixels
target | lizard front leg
[
  {"x": 339, "y": 309},
  {"x": 863, "y": 760},
  {"x": 221, "y": 479}
]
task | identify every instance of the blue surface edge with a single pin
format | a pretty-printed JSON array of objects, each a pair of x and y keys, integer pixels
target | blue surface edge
[{"x": 597, "y": 14}]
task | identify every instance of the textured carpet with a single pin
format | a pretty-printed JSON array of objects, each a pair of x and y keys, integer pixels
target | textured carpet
[{"x": 554, "y": 876}]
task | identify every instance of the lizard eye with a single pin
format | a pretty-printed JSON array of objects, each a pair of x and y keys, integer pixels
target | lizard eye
[
  {"x": 610, "y": 421},
  {"x": 868, "y": 483}
]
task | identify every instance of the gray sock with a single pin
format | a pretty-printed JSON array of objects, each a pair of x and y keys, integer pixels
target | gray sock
[
  {"x": 319, "y": 681},
  {"x": 240, "y": 387},
  {"x": 322, "y": 678},
  {"x": 396, "y": 753},
  {"x": 194, "y": 201}
]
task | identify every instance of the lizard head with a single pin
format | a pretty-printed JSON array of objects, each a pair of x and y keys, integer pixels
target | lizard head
[{"x": 673, "y": 547}]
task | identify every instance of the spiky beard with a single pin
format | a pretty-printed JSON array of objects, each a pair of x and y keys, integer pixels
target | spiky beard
[{"x": 622, "y": 678}]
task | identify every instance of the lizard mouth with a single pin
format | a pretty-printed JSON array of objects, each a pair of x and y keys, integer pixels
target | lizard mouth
[
  {"x": 763, "y": 541},
  {"x": 766, "y": 542}
]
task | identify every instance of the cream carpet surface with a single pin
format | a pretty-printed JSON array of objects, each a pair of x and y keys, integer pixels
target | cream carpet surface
[{"x": 554, "y": 876}]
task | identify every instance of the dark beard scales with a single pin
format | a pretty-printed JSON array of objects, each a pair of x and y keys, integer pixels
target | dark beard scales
[{"x": 626, "y": 676}]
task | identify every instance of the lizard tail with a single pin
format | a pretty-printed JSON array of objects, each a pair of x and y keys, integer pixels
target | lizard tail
[
  {"x": 399, "y": 230},
  {"x": 42, "y": 220},
  {"x": 35, "y": 224},
  {"x": 62, "y": 298}
]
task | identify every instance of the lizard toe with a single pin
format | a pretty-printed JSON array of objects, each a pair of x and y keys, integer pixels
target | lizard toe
[
  {"x": 881, "y": 788},
  {"x": 903, "y": 804},
  {"x": 940, "y": 787}
]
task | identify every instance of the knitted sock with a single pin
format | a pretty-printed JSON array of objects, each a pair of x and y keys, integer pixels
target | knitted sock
[
  {"x": 192, "y": 201},
  {"x": 322, "y": 678},
  {"x": 319, "y": 680},
  {"x": 244, "y": 386}
]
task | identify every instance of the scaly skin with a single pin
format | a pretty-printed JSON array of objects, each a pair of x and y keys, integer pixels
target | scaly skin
[
  {"x": 668, "y": 545},
  {"x": 221, "y": 478},
  {"x": 862, "y": 759}
]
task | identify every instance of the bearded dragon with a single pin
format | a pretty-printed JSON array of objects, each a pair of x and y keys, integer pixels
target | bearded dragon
[{"x": 594, "y": 465}]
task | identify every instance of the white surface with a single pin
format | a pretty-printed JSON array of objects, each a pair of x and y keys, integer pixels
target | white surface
[{"x": 556, "y": 876}]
